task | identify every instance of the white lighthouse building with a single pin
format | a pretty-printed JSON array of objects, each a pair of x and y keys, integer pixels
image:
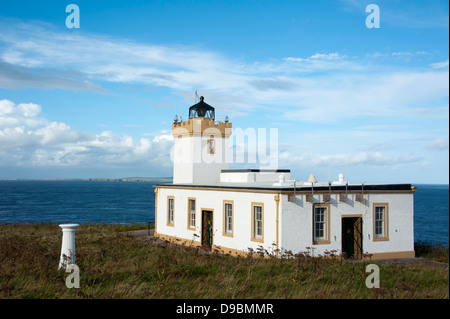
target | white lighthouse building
[{"x": 235, "y": 211}]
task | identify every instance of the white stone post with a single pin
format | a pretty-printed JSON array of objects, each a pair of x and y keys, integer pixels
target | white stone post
[{"x": 68, "y": 245}]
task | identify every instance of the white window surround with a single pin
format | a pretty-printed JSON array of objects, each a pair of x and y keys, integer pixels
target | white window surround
[
  {"x": 258, "y": 222},
  {"x": 170, "y": 210},
  {"x": 191, "y": 213},
  {"x": 380, "y": 221},
  {"x": 228, "y": 218},
  {"x": 321, "y": 224}
]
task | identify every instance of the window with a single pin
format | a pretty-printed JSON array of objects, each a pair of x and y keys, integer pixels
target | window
[
  {"x": 211, "y": 145},
  {"x": 191, "y": 213},
  {"x": 257, "y": 222},
  {"x": 228, "y": 218},
  {"x": 170, "y": 211},
  {"x": 321, "y": 224},
  {"x": 380, "y": 221}
]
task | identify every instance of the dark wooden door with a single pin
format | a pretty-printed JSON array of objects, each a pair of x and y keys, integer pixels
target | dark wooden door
[
  {"x": 207, "y": 229},
  {"x": 357, "y": 230},
  {"x": 347, "y": 237},
  {"x": 352, "y": 237}
]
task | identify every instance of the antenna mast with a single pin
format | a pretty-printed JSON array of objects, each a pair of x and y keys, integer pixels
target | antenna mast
[{"x": 196, "y": 97}]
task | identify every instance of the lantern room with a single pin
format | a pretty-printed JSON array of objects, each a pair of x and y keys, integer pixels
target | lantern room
[{"x": 202, "y": 109}]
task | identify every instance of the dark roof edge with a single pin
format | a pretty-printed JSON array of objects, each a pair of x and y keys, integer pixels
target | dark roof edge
[
  {"x": 378, "y": 187},
  {"x": 202, "y": 105},
  {"x": 252, "y": 170}
]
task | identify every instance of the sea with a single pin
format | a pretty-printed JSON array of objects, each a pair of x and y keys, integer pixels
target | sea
[{"x": 119, "y": 202}]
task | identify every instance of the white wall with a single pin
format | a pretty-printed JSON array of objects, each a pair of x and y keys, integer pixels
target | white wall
[
  {"x": 297, "y": 223},
  {"x": 213, "y": 200},
  {"x": 193, "y": 164},
  {"x": 250, "y": 177},
  {"x": 295, "y": 220}
]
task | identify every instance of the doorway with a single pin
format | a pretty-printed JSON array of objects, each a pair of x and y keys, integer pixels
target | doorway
[
  {"x": 352, "y": 237},
  {"x": 207, "y": 229}
]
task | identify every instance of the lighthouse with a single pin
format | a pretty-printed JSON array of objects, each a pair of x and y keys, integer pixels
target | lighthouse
[
  {"x": 239, "y": 211},
  {"x": 201, "y": 146}
]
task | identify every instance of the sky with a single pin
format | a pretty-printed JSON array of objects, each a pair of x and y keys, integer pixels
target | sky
[{"x": 99, "y": 100}]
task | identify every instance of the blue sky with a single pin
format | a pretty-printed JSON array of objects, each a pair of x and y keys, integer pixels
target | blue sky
[{"x": 98, "y": 101}]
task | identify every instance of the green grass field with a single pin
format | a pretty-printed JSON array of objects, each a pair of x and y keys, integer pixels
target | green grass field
[{"x": 113, "y": 265}]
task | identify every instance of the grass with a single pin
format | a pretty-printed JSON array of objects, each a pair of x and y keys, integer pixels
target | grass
[
  {"x": 437, "y": 252},
  {"x": 130, "y": 227},
  {"x": 113, "y": 265}
]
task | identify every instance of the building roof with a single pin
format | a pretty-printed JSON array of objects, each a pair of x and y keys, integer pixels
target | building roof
[
  {"x": 300, "y": 187},
  {"x": 202, "y": 109}
]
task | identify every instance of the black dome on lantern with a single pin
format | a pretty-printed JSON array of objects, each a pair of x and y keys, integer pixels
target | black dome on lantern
[{"x": 201, "y": 109}]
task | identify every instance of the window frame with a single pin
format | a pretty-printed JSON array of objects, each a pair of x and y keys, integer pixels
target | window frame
[
  {"x": 385, "y": 222},
  {"x": 254, "y": 236},
  {"x": 189, "y": 213},
  {"x": 326, "y": 227},
  {"x": 170, "y": 222},
  {"x": 213, "y": 142},
  {"x": 225, "y": 231}
]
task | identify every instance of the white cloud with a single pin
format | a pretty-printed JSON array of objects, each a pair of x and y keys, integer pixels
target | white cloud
[
  {"x": 15, "y": 76},
  {"x": 6, "y": 107},
  {"x": 320, "y": 62},
  {"x": 384, "y": 127},
  {"x": 317, "y": 56},
  {"x": 440, "y": 143},
  {"x": 97, "y": 57},
  {"x": 29, "y": 110},
  {"x": 327, "y": 56},
  {"x": 358, "y": 96},
  {"x": 26, "y": 139},
  {"x": 440, "y": 65},
  {"x": 400, "y": 56},
  {"x": 369, "y": 159},
  {"x": 322, "y": 87}
]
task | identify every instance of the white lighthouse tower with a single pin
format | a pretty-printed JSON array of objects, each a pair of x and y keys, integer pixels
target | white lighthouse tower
[{"x": 201, "y": 146}]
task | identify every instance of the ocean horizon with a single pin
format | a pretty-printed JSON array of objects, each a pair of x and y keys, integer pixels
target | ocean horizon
[{"x": 133, "y": 202}]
